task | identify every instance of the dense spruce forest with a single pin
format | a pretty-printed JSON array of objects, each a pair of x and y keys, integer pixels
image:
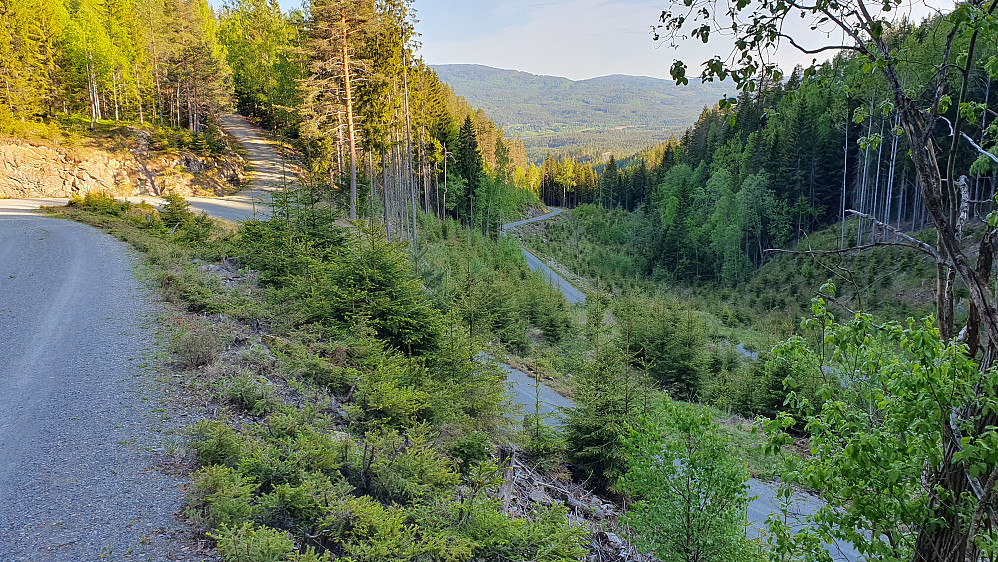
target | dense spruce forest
[{"x": 778, "y": 163}]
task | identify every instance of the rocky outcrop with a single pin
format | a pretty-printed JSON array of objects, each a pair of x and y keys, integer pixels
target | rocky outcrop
[{"x": 30, "y": 170}]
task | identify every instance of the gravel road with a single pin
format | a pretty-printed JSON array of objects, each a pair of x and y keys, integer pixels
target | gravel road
[
  {"x": 524, "y": 394},
  {"x": 572, "y": 295},
  {"x": 76, "y": 480},
  {"x": 267, "y": 174},
  {"x": 765, "y": 500}
]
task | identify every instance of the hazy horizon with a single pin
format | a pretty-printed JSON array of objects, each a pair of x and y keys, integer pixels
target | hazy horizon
[{"x": 574, "y": 39}]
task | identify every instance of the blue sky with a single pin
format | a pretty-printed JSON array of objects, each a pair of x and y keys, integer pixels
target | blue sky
[{"x": 572, "y": 38}]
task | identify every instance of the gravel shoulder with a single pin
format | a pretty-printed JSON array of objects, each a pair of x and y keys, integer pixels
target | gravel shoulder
[{"x": 77, "y": 476}]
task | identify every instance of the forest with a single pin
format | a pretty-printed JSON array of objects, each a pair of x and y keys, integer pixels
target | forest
[
  {"x": 617, "y": 114},
  {"x": 770, "y": 167},
  {"x": 341, "y": 83}
]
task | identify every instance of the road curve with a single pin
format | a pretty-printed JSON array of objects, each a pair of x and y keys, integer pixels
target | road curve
[
  {"x": 553, "y": 213},
  {"x": 572, "y": 295},
  {"x": 267, "y": 175},
  {"x": 76, "y": 407}
]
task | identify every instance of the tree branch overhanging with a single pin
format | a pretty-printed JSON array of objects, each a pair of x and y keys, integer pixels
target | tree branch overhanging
[{"x": 911, "y": 240}]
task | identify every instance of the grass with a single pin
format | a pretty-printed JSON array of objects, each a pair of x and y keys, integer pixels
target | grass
[
  {"x": 73, "y": 132},
  {"x": 749, "y": 445}
]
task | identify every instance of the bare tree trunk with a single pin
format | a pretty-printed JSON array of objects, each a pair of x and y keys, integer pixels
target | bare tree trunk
[
  {"x": 845, "y": 173},
  {"x": 891, "y": 169},
  {"x": 92, "y": 89},
  {"x": 384, "y": 193},
  {"x": 155, "y": 70},
  {"x": 338, "y": 171},
  {"x": 138, "y": 95},
  {"x": 370, "y": 180},
  {"x": 876, "y": 184},
  {"x": 866, "y": 168},
  {"x": 348, "y": 94},
  {"x": 408, "y": 157},
  {"x": 114, "y": 88}
]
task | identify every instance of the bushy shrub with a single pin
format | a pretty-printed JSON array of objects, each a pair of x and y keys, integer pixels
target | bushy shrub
[
  {"x": 300, "y": 507},
  {"x": 690, "y": 493},
  {"x": 100, "y": 203},
  {"x": 221, "y": 497},
  {"x": 385, "y": 399},
  {"x": 541, "y": 441},
  {"x": 146, "y": 217},
  {"x": 216, "y": 443},
  {"x": 407, "y": 468},
  {"x": 669, "y": 339},
  {"x": 545, "y": 536},
  {"x": 365, "y": 531},
  {"x": 189, "y": 228},
  {"x": 249, "y": 543},
  {"x": 195, "y": 345},
  {"x": 370, "y": 282},
  {"x": 486, "y": 284},
  {"x": 251, "y": 393},
  {"x": 311, "y": 363},
  {"x": 470, "y": 449},
  {"x": 272, "y": 465}
]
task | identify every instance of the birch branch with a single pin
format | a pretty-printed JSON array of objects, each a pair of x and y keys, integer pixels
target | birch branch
[
  {"x": 978, "y": 147},
  {"x": 912, "y": 242}
]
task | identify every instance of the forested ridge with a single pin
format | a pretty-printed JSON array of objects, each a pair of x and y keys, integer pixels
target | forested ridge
[{"x": 610, "y": 114}]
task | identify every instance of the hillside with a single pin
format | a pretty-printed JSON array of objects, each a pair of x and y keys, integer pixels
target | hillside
[{"x": 622, "y": 114}]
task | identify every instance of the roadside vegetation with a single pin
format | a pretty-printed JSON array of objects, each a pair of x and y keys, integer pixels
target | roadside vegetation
[{"x": 346, "y": 405}]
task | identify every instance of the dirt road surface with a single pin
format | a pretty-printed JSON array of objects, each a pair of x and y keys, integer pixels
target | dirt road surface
[{"x": 572, "y": 295}]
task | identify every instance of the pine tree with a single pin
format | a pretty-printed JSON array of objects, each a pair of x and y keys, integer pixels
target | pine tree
[{"x": 338, "y": 26}]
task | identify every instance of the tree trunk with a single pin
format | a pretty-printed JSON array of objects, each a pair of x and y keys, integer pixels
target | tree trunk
[
  {"x": 138, "y": 95},
  {"x": 351, "y": 133},
  {"x": 845, "y": 171},
  {"x": 155, "y": 70},
  {"x": 114, "y": 87},
  {"x": 408, "y": 158}
]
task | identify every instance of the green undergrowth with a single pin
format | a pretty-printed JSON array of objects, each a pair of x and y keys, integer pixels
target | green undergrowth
[
  {"x": 612, "y": 247},
  {"x": 74, "y": 131},
  {"x": 721, "y": 335},
  {"x": 347, "y": 417},
  {"x": 486, "y": 282}
]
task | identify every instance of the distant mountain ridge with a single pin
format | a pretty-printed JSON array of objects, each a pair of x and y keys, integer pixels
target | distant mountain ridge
[{"x": 618, "y": 113}]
